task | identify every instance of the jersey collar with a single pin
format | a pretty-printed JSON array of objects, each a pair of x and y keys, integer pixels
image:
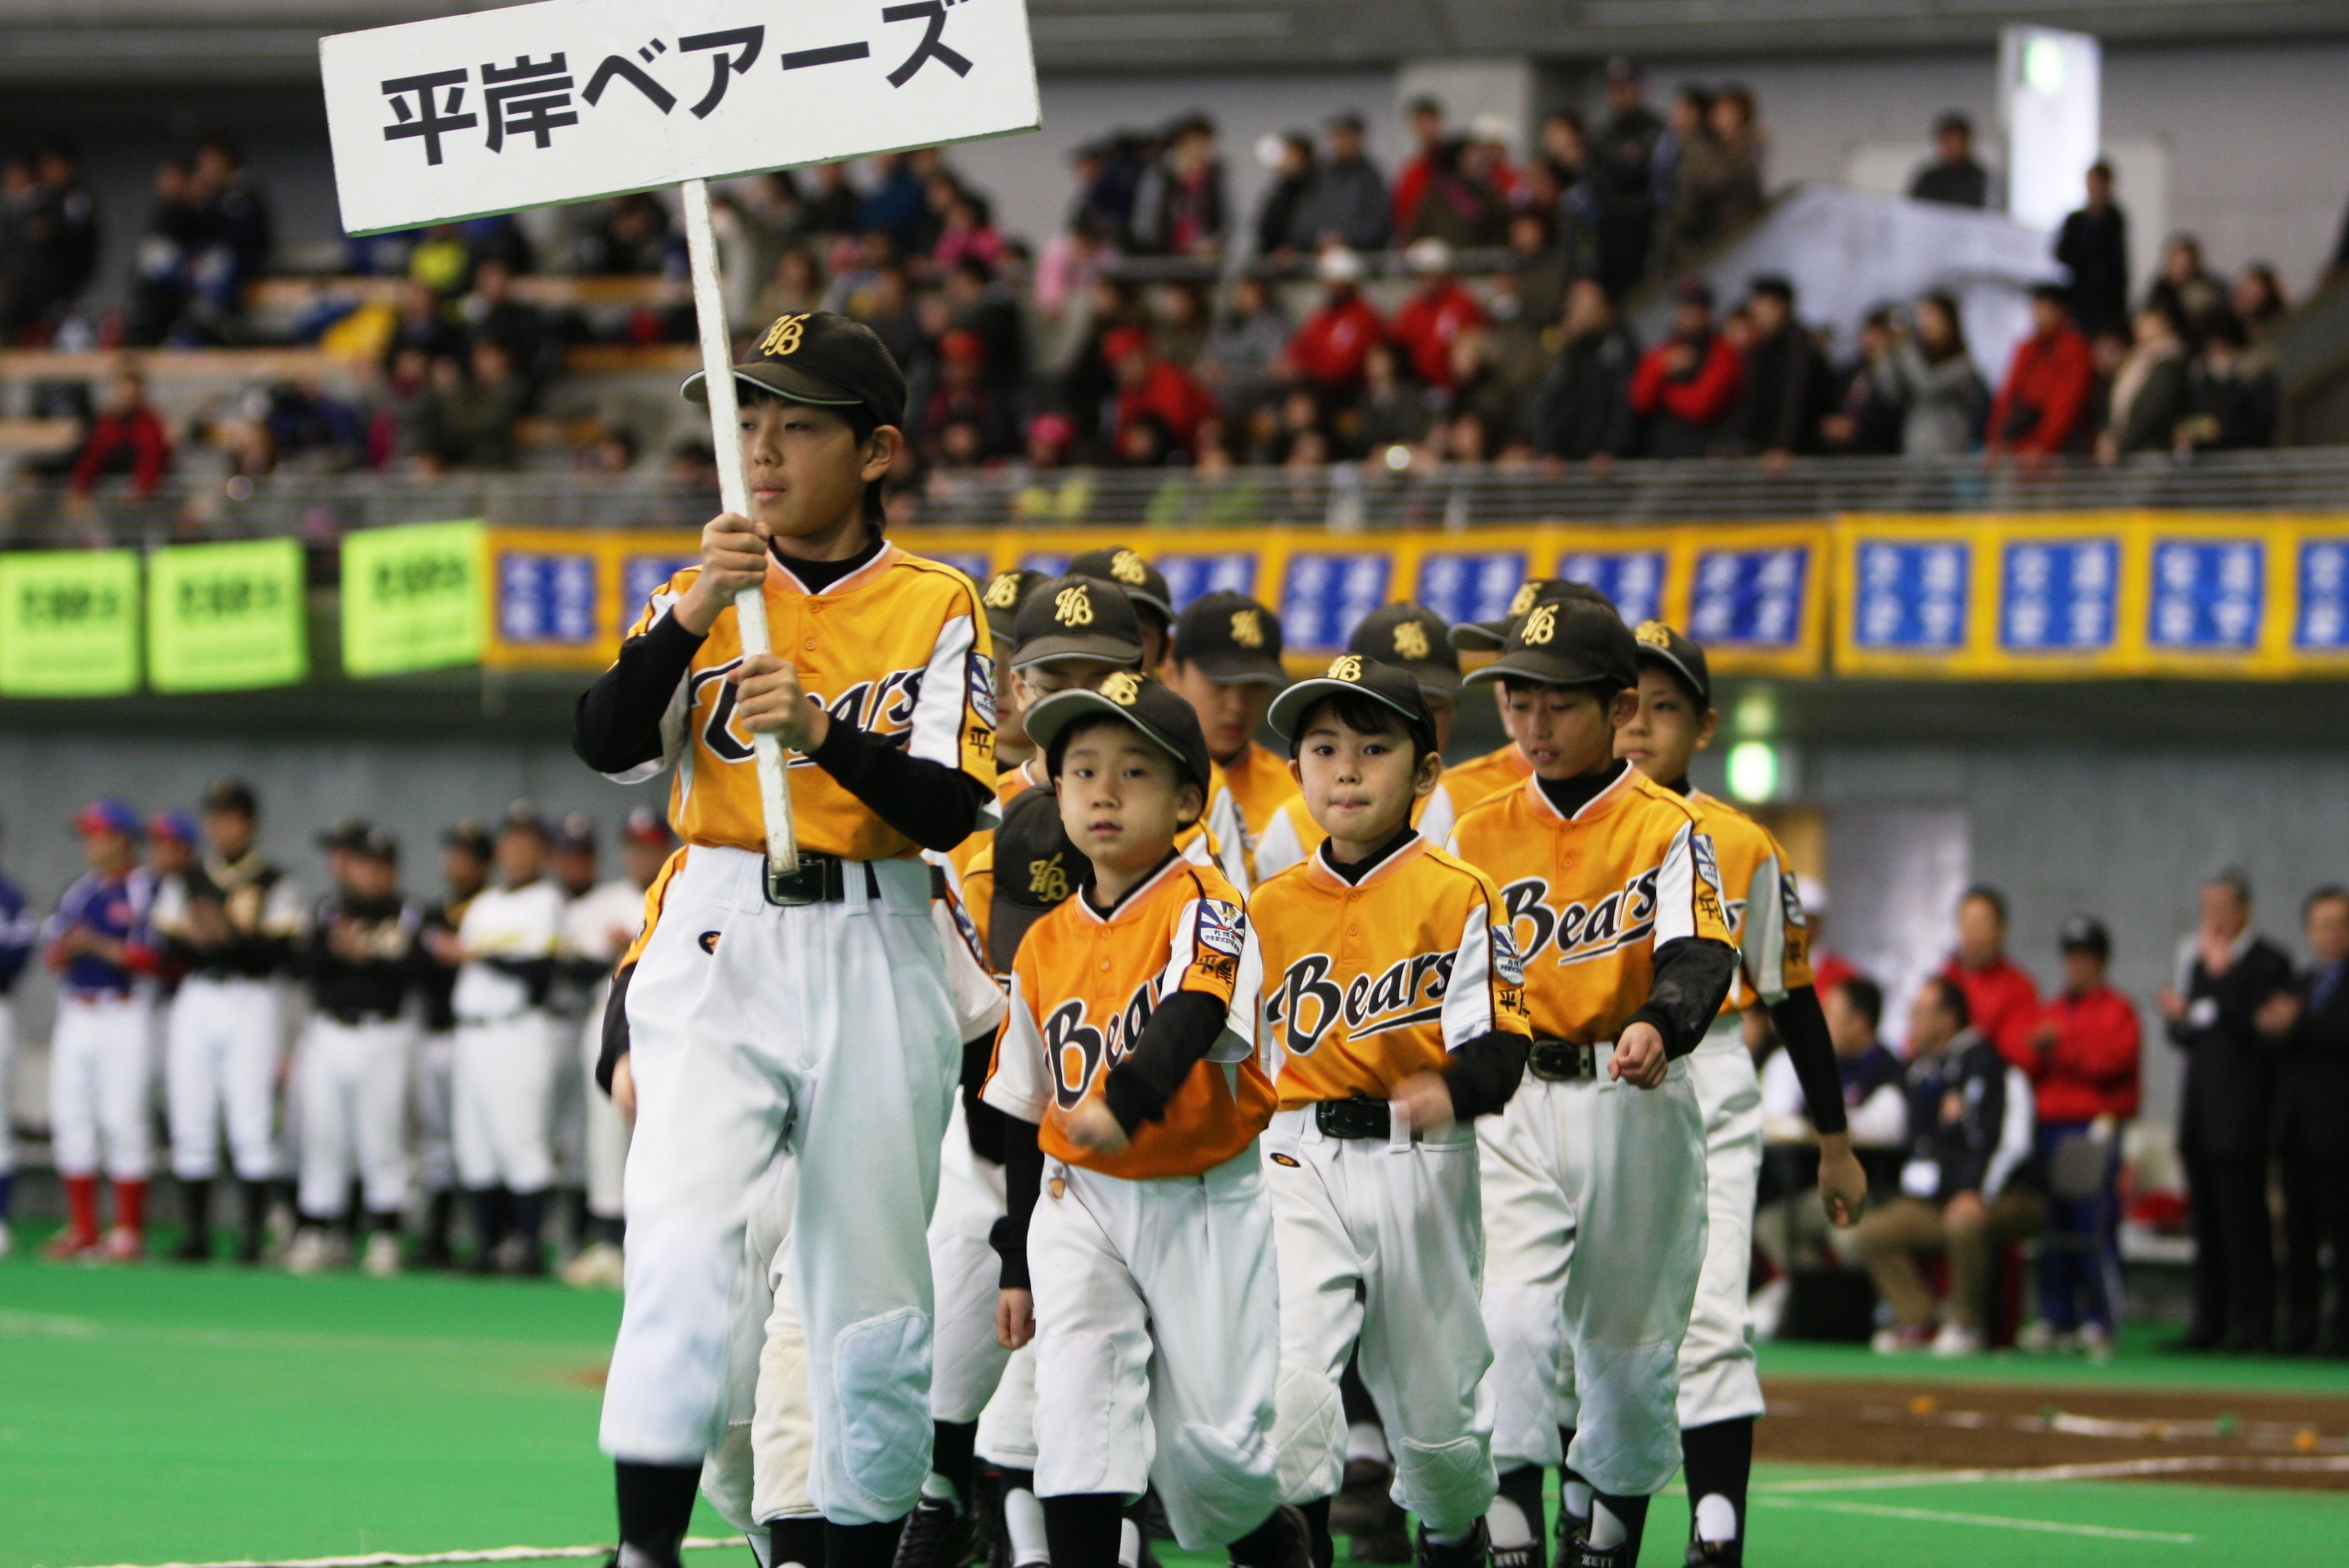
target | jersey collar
[
  {"x": 1404, "y": 846},
  {"x": 883, "y": 559},
  {"x": 1598, "y": 806},
  {"x": 1133, "y": 895}
]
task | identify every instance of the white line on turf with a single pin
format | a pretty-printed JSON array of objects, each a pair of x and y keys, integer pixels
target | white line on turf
[
  {"x": 425, "y": 1559},
  {"x": 1992, "y": 1520},
  {"x": 2111, "y": 1470}
]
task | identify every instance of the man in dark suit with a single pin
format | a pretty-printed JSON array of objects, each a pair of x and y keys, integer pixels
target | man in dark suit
[
  {"x": 2311, "y": 1021},
  {"x": 2227, "y": 973}
]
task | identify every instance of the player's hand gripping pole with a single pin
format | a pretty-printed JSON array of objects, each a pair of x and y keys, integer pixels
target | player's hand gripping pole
[{"x": 734, "y": 494}]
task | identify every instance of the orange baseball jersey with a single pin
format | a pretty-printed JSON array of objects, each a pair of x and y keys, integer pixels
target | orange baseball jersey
[
  {"x": 899, "y": 648},
  {"x": 1294, "y": 835},
  {"x": 1083, "y": 987},
  {"x": 1364, "y": 985},
  {"x": 654, "y": 896},
  {"x": 1589, "y": 898},
  {"x": 1474, "y": 783},
  {"x": 1765, "y": 913},
  {"x": 1242, "y": 800}
]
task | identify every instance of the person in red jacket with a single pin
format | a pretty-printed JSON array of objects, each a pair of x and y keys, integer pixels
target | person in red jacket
[
  {"x": 1151, "y": 388},
  {"x": 1329, "y": 349},
  {"x": 2041, "y": 406},
  {"x": 1439, "y": 311},
  {"x": 2000, "y": 998},
  {"x": 2084, "y": 1072},
  {"x": 127, "y": 435},
  {"x": 1687, "y": 385}
]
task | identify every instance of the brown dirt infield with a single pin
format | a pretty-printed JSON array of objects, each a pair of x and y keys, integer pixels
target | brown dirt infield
[{"x": 1946, "y": 1426}]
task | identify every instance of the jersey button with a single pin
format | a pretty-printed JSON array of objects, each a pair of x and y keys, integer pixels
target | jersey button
[
  {"x": 1104, "y": 966},
  {"x": 809, "y": 644}
]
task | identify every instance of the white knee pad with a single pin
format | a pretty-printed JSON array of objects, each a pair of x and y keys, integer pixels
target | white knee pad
[
  {"x": 1308, "y": 1434},
  {"x": 1528, "y": 1328},
  {"x": 1448, "y": 1485},
  {"x": 881, "y": 1381}
]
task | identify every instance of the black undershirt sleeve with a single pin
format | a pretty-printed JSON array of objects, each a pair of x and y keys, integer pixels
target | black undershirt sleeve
[
  {"x": 1803, "y": 1024},
  {"x": 1485, "y": 1072},
  {"x": 1023, "y": 1181},
  {"x": 1691, "y": 978},
  {"x": 616, "y": 724},
  {"x": 1177, "y": 1038},
  {"x": 981, "y": 1122},
  {"x": 936, "y": 806},
  {"x": 616, "y": 1028}
]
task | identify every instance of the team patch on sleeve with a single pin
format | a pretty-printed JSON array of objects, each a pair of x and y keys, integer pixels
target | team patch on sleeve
[
  {"x": 1222, "y": 926},
  {"x": 1708, "y": 864},
  {"x": 1506, "y": 964},
  {"x": 982, "y": 687}
]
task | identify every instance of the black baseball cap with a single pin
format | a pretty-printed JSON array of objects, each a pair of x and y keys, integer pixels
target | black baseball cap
[
  {"x": 823, "y": 358},
  {"x": 1486, "y": 636},
  {"x": 1164, "y": 720},
  {"x": 1144, "y": 583},
  {"x": 345, "y": 834},
  {"x": 1662, "y": 644},
  {"x": 469, "y": 836},
  {"x": 1075, "y": 617},
  {"x": 1231, "y": 637},
  {"x": 1414, "y": 638},
  {"x": 375, "y": 844},
  {"x": 1037, "y": 866},
  {"x": 2085, "y": 933},
  {"x": 231, "y": 794},
  {"x": 1353, "y": 675},
  {"x": 1570, "y": 637},
  {"x": 575, "y": 832},
  {"x": 522, "y": 817},
  {"x": 1001, "y": 598}
]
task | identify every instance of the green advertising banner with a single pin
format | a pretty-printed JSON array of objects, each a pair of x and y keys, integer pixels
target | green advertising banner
[
  {"x": 414, "y": 597},
  {"x": 68, "y": 622},
  {"x": 227, "y": 617}
]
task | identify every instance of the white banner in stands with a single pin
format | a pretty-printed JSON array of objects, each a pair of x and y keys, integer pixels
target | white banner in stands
[{"x": 565, "y": 100}]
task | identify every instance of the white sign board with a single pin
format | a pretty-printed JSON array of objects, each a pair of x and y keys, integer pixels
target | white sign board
[
  {"x": 2049, "y": 100},
  {"x": 566, "y": 100}
]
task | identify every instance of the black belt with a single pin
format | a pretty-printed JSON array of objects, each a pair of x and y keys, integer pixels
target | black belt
[
  {"x": 821, "y": 878},
  {"x": 1356, "y": 1118},
  {"x": 1562, "y": 1061},
  {"x": 359, "y": 1017}
]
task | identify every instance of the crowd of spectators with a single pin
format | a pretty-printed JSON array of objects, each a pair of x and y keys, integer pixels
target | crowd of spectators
[{"x": 1511, "y": 345}]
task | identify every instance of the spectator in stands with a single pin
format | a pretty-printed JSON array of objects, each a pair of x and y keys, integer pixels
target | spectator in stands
[
  {"x": 2148, "y": 396},
  {"x": 1152, "y": 389},
  {"x": 1180, "y": 209},
  {"x": 471, "y": 421},
  {"x": 1685, "y": 389},
  {"x": 1953, "y": 178},
  {"x": 1328, "y": 350},
  {"x": 2231, "y": 398},
  {"x": 633, "y": 236},
  {"x": 169, "y": 259},
  {"x": 1540, "y": 263},
  {"x": 1475, "y": 388},
  {"x": 1865, "y": 414},
  {"x": 1717, "y": 181},
  {"x": 979, "y": 303},
  {"x": 440, "y": 261},
  {"x": 1284, "y": 199},
  {"x": 2257, "y": 299},
  {"x": 2092, "y": 247},
  {"x": 236, "y": 219},
  {"x": 48, "y": 242},
  {"x": 1424, "y": 118},
  {"x": 423, "y": 325},
  {"x": 492, "y": 312},
  {"x": 964, "y": 396},
  {"x": 1943, "y": 401},
  {"x": 2312, "y": 1022},
  {"x": 2037, "y": 412},
  {"x": 1786, "y": 385},
  {"x": 1393, "y": 411},
  {"x": 796, "y": 285},
  {"x": 1963, "y": 1192},
  {"x": 855, "y": 280},
  {"x": 833, "y": 202},
  {"x": 2187, "y": 289},
  {"x": 1873, "y": 1094},
  {"x": 966, "y": 227},
  {"x": 128, "y": 437},
  {"x": 1180, "y": 322},
  {"x": 2083, "y": 1081},
  {"x": 1346, "y": 202},
  {"x": 1562, "y": 191},
  {"x": 898, "y": 205},
  {"x": 291, "y": 425},
  {"x": 1244, "y": 348},
  {"x": 889, "y": 308},
  {"x": 2228, "y": 973},
  {"x": 2001, "y": 1001},
  {"x": 1464, "y": 204},
  {"x": 1438, "y": 311},
  {"x": 1582, "y": 408},
  {"x": 1623, "y": 179}
]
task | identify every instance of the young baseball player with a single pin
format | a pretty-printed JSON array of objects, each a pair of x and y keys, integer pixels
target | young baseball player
[
  {"x": 1005, "y": 594},
  {"x": 1394, "y": 1016},
  {"x": 572, "y": 858},
  {"x": 465, "y": 857},
  {"x": 233, "y": 936},
  {"x": 1720, "y": 1395},
  {"x": 1225, "y": 663},
  {"x": 1594, "y": 1175},
  {"x": 756, "y": 987},
  {"x": 1503, "y": 768},
  {"x": 1411, "y": 639},
  {"x": 503, "y": 1081},
  {"x": 97, "y": 943},
  {"x": 1137, "y": 1245},
  {"x": 360, "y": 960},
  {"x": 19, "y": 930},
  {"x": 1147, "y": 587}
]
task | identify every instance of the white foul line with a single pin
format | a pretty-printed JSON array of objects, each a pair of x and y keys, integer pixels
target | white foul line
[
  {"x": 1993, "y": 1520},
  {"x": 424, "y": 1559},
  {"x": 2109, "y": 1469}
]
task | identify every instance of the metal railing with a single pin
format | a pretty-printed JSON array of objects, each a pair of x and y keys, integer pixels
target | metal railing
[{"x": 1343, "y": 497}]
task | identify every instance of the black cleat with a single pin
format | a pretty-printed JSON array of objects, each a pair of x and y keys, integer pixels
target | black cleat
[
  {"x": 1716, "y": 1554},
  {"x": 1615, "y": 1556},
  {"x": 1468, "y": 1553},
  {"x": 937, "y": 1534},
  {"x": 1361, "y": 1506},
  {"x": 1284, "y": 1539},
  {"x": 1389, "y": 1539}
]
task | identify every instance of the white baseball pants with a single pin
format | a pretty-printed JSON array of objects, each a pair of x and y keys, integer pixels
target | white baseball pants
[
  {"x": 969, "y": 1361},
  {"x": 1718, "y": 1382},
  {"x": 1158, "y": 1343},
  {"x": 1006, "y": 1427},
  {"x": 352, "y": 1082},
  {"x": 220, "y": 1061},
  {"x": 825, "y": 1033},
  {"x": 435, "y": 1111},
  {"x": 760, "y": 1473},
  {"x": 1595, "y": 1227},
  {"x": 568, "y": 1092},
  {"x": 1381, "y": 1244},
  {"x": 97, "y": 1087},
  {"x": 606, "y": 1130},
  {"x": 503, "y": 1083}
]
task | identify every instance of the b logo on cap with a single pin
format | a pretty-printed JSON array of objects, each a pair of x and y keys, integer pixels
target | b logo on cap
[
  {"x": 1073, "y": 606},
  {"x": 1523, "y": 602},
  {"x": 1541, "y": 626},
  {"x": 1048, "y": 879},
  {"x": 1127, "y": 567},
  {"x": 1346, "y": 668},
  {"x": 783, "y": 337},
  {"x": 1004, "y": 592},
  {"x": 1655, "y": 634},
  {"x": 1248, "y": 628},
  {"x": 1123, "y": 688},
  {"x": 1411, "y": 640}
]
